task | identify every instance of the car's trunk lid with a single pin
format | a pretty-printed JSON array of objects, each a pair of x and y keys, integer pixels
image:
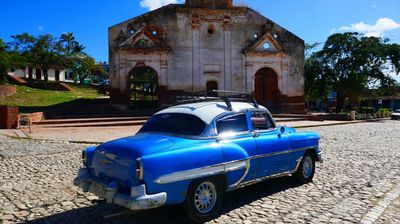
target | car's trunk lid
[{"x": 116, "y": 160}]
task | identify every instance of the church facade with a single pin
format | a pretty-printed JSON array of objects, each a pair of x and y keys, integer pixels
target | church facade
[{"x": 205, "y": 45}]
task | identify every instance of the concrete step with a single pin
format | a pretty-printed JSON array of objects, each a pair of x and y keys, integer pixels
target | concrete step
[
  {"x": 89, "y": 120},
  {"x": 16, "y": 79},
  {"x": 288, "y": 119},
  {"x": 95, "y": 124}
]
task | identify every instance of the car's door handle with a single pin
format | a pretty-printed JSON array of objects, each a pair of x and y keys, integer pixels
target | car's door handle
[
  {"x": 256, "y": 134},
  {"x": 218, "y": 140}
]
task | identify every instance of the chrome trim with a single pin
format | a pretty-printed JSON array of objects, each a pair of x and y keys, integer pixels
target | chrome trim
[
  {"x": 251, "y": 182},
  {"x": 141, "y": 172},
  {"x": 223, "y": 168},
  {"x": 298, "y": 164},
  {"x": 320, "y": 159},
  {"x": 283, "y": 152},
  {"x": 233, "y": 186},
  {"x": 136, "y": 200},
  {"x": 201, "y": 172}
]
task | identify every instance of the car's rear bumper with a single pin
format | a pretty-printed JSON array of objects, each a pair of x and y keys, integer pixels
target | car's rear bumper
[
  {"x": 137, "y": 200},
  {"x": 320, "y": 157}
]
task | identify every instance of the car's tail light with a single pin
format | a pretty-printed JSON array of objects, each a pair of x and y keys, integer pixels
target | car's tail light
[{"x": 139, "y": 169}]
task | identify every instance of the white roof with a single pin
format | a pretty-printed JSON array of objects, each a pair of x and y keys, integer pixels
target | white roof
[{"x": 207, "y": 111}]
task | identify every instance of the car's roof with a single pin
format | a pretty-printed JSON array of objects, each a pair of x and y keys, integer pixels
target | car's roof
[{"x": 207, "y": 111}]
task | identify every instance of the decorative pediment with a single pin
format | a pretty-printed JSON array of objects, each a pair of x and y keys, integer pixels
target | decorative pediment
[
  {"x": 141, "y": 39},
  {"x": 265, "y": 44}
]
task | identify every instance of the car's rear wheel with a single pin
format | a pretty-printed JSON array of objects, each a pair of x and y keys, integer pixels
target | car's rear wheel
[
  {"x": 305, "y": 172},
  {"x": 204, "y": 200}
]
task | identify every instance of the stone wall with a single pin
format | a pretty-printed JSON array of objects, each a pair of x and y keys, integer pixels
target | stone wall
[
  {"x": 6, "y": 90},
  {"x": 8, "y": 117},
  {"x": 214, "y": 4}
]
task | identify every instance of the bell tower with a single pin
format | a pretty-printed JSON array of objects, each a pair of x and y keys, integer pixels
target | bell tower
[{"x": 212, "y": 4}]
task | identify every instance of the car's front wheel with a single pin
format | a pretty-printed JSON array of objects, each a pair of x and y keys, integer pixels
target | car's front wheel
[
  {"x": 305, "y": 172},
  {"x": 204, "y": 200}
]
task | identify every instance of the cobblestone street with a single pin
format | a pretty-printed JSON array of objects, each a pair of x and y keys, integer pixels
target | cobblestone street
[{"x": 354, "y": 184}]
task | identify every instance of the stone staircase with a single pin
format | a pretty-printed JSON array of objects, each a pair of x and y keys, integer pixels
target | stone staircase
[
  {"x": 16, "y": 80},
  {"x": 92, "y": 122}
]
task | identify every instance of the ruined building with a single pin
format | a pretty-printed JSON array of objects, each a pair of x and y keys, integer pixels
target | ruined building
[{"x": 204, "y": 45}]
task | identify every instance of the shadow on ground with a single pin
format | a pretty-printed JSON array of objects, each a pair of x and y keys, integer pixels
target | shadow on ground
[
  {"x": 167, "y": 214},
  {"x": 87, "y": 108}
]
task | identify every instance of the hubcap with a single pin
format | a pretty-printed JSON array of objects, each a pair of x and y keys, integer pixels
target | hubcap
[
  {"x": 307, "y": 167},
  {"x": 205, "y": 197}
]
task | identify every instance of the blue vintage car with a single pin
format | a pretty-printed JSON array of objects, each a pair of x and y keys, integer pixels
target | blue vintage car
[{"x": 193, "y": 153}]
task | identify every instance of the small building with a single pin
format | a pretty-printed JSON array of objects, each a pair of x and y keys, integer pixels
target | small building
[
  {"x": 205, "y": 45},
  {"x": 35, "y": 73}
]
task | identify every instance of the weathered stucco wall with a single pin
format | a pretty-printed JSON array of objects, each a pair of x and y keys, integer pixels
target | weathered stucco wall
[{"x": 194, "y": 45}]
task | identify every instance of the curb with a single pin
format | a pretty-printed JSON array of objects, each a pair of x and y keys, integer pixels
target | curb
[
  {"x": 374, "y": 213},
  {"x": 333, "y": 124},
  {"x": 53, "y": 140}
]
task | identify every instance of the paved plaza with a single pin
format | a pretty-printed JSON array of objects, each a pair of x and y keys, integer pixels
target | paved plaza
[{"x": 358, "y": 182}]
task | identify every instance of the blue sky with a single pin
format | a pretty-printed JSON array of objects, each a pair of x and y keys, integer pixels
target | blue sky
[{"x": 312, "y": 20}]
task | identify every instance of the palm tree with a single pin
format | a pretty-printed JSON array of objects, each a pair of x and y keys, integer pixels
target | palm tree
[
  {"x": 69, "y": 42},
  {"x": 78, "y": 49}
]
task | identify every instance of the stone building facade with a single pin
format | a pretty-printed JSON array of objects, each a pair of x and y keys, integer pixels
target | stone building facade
[{"x": 209, "y": 44}]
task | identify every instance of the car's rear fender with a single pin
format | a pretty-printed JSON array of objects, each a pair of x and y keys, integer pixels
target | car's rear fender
[
  {"x": 302, "y": 142},
  {"x": 172, "y": 171}
]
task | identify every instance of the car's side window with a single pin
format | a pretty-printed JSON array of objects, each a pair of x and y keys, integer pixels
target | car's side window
[
  {"x": 261, "y": 121},
  {"x": 235, "y": 123}
]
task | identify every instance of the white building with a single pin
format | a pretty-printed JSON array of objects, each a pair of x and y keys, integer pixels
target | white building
[{"x": 55, "y": 74}]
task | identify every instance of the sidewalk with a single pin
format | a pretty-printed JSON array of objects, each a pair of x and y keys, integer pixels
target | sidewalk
[{"x": 97, "y": 135}]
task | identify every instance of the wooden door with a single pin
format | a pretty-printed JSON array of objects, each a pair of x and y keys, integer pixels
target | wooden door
[
  {"x": 39, "y": 74},
  {"x": 212, "y": 85},
  {"x": 266, "y": 90},
  {"x": 57, "y": 74},
  {"x": 30, "y": 73}
]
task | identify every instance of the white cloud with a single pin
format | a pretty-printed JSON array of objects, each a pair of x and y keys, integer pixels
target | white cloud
[
  {"x": 332, "y": 31},
  {"x": 155, "y": 4},
  {"x": 377, "y": 30}
]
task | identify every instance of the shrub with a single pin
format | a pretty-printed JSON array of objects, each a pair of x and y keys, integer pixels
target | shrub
[{"x": 367, "y": 110}]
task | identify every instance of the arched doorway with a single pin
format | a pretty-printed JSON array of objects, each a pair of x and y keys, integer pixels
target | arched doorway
[
  {"x": 266, "y": 90},
  {"x": 143, "y": 86}
]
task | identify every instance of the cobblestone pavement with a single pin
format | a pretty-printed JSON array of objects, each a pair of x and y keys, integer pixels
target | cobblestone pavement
[{"x": 362, "y": 164}]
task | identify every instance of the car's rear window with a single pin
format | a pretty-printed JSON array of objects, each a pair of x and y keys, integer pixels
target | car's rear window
[
  {"x": 175, "y": 123},
  {"x": 235, "y": 123}
]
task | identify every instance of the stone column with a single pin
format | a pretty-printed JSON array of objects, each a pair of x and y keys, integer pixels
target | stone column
[
  {"x": 228, "y": 59},
  {"x": 197, "y": 77}
]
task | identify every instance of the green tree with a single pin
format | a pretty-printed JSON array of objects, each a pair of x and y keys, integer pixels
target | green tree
[
  {"x": 74, "y": 57},
  {"x": 347, "y": 65},
  {"x": 4, "y": 62},
  {"x": 393, "y": 52},
  {"x": 8, "y": 60},
  {"x": 69, "y": 45},
  {"x": 43, "y": 51},
  {"x": 85, "y": 65}
]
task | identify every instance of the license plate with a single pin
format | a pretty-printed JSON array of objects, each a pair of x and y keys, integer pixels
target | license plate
[{"x": 98, "y": 190}]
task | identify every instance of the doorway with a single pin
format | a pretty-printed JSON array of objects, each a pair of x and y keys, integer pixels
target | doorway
[
  {"x": 143, "y": 86},
  {"x": 266, "y": 89}
]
